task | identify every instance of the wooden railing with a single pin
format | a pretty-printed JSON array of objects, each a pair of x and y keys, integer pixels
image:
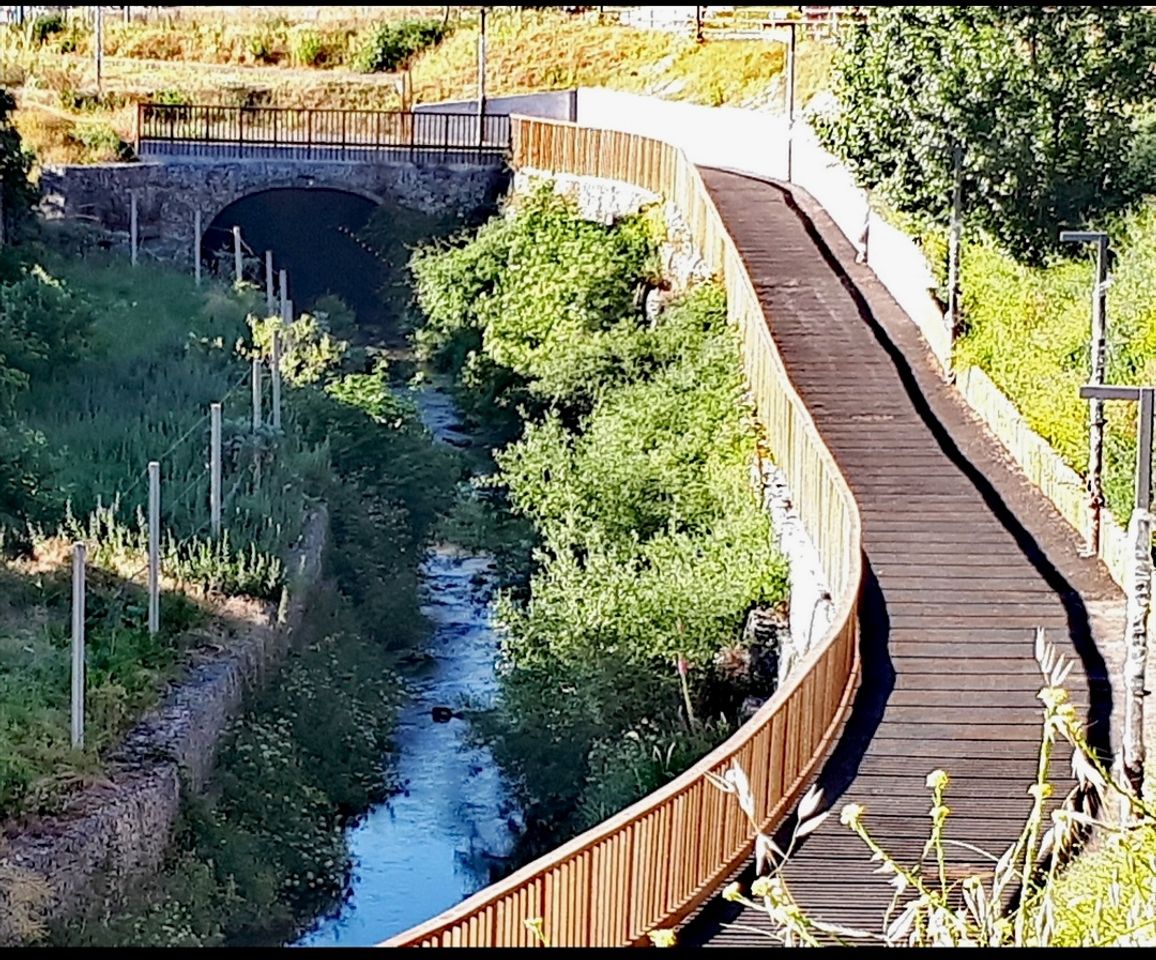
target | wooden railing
[
  {"x": 651, "y": 864},
  {"x": 302, "y": 133}
]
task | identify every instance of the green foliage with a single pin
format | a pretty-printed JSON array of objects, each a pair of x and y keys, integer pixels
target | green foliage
[
  {"x": 540, "y": 306},
  {"x": 633, "y": 469},
  {"x": 45, "y": 26},
  {"x": 390, "y": 45},
  {"x": 1027, "y": 327},
  {"x": 1044, "y": 102},
  {"x": 311, "y": 49},
  {"x": 16, "y": 194}
]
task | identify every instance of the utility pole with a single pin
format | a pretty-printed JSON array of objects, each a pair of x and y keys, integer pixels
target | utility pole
[
  {"x": 1139, "y": 582},
  {"x": 98, "y": 41},
  {"x": 790, "y": 92},
  {"x": 1099, "y": 365},
  {"x": 482, "y": 78},
  {"x": 698, "y": 24}
]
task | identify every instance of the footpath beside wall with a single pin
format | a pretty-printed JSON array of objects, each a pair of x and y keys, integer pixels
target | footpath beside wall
[{"x": 116, "y": 831}]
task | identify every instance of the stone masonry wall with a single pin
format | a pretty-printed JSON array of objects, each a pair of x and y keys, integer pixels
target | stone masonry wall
[
  {"x": 117, "y": 830},
  {"x": 170, "y": 190}
]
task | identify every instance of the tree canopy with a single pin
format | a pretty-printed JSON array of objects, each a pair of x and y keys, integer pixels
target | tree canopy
[
  {"x": 16, "y": 194},
  {"x": 1049, "y": 104}
]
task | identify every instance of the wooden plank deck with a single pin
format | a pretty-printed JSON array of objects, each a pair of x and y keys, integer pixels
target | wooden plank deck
[{"x": 964, "y": 560}]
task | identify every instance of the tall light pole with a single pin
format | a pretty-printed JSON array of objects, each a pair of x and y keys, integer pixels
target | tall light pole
[
  {"x": 790, "y": 100},
  {"x": 98, "y": 41},
  {"x": 482, "y": 78},
  {"x": 955, "y": 242},
  {"x": 1099, "y": 363},
  {"x": 1139, "y": 581}
]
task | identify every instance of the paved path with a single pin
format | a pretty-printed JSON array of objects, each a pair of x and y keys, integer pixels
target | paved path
[{"x": 964, "y": 560}]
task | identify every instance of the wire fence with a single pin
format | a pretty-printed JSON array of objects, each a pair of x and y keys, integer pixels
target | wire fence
[{"x": 116, "y": 534}]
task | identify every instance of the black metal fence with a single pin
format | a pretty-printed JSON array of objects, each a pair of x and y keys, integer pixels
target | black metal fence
[{"x": 318, "y": 134}]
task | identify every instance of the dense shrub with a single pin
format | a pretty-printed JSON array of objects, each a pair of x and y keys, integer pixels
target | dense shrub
[
  {"x": 45, "y": 26},
  {"x": 537, "y": 307},
  {"x": 390, "y": 46},
  {"x": 16, "y": 193},
  {"x": 1043, "y": 103},
  {"x": 633, "y": 468}
]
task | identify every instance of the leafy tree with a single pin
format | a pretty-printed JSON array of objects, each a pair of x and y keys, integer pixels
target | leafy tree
[
  {"x": 1045, "y": 102},
  {"x": 16, "y": 193}
]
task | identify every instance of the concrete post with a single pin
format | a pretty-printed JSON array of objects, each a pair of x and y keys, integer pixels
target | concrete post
[
  {"x": 215, "y": 469},
  {"x": 275, "y": 373},
  {"x": 270, "y": 308},
  {"x": 154, "y": 546},
  {"x": 238, "y": 266},
  {"x": 78, "y": 658},
  {"x": 133, "y": 227},
  {"x": 256, "y": 394},
  {"x": 197, "y": 246}
]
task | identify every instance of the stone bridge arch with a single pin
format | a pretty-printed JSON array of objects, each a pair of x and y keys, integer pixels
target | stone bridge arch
[
  {"x": 170, "y": 191},
  {"x": 223, "y": 203}
]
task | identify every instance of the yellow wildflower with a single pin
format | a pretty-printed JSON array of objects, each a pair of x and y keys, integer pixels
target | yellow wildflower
[{"x": 662, "y": 938}]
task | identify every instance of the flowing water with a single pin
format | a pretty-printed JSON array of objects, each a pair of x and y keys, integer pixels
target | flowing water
[{"x": 437, "y": 840}]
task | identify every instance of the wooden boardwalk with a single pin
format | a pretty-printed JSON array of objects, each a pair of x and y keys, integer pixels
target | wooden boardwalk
[{"x": 963, "y": 560}]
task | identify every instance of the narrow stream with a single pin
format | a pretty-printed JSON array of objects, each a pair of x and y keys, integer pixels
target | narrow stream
[{"x": 434, "y": 843}]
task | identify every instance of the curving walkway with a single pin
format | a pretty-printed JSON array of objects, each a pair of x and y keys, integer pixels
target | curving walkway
[{"x": 963, "y": 560}]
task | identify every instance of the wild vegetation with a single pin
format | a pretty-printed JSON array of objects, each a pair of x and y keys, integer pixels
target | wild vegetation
[
  {"x": 103, "y": 369},
  {"x": 629, "y": 454},
  {"x": 1050, "y": 109},
  {"x": 256, "y": 60}
]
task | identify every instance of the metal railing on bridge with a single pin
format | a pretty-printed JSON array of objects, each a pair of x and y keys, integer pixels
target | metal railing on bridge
[
  {"x": 300, "y": 133},
  {"x": 652, "y": 864}
]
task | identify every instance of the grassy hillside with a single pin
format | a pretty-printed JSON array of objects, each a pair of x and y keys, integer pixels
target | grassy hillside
[{"x": 275, "y": 61}]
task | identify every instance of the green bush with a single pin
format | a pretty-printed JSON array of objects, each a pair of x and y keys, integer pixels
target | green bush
[
  {"x": 633, "y": 468},
  {"x": 45, "y": 26},
  {"x": 538, "y": 307},
  {"x": 311, "y": 49},
  {"x": 390, "y": 46},
  {"x": 1028, "y": 328}
]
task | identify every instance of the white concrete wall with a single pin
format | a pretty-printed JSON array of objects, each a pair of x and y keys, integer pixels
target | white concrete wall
[
  {"x": 750, "y": 141},
  {"x": 553, "y": 105},
  {"x": 744, "y": 140}
]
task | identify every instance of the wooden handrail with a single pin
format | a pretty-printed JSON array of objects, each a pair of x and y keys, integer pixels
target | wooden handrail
[{"x": 651, "y": 864}]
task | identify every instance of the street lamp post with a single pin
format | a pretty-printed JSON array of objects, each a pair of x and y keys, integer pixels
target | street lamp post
[
  {"x": 1139, "y": 582},
  {"x": 482, "y": 78},
  {"x": 1099, "y": 363},
  {"x": 790, "y": 92}
]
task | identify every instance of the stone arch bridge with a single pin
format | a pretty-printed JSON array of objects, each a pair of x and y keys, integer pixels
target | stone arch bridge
[{"x": 434, "y": 166}]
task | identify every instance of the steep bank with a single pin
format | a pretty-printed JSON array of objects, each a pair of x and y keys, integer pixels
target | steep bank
[{"x": 117, "y": 830}]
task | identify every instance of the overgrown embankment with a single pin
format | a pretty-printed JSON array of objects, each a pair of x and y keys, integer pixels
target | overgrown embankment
[
  {"x": 270, "y": 60},
  {"x": 102, "y": 369},
  {"x": 629, "y": 451}
]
